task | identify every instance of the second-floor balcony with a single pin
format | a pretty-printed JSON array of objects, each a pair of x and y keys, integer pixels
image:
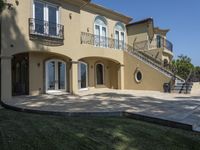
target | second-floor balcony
[
  {"x": 161, "y": 43},
  {"x": 103, "y": 42},
  {"x": 45, "y": 29}
]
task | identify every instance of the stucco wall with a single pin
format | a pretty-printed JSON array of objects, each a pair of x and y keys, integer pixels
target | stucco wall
[
  {"x": 15, "y": 29},
  {"x": 152, "y": 79},
  {"x": 110, "y": 72},
  {"x": 37, "y": 71},
  {"x": 87, "y": 22}
]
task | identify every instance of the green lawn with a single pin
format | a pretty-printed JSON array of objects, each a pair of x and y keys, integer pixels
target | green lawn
[{"x": 29, "y": 131}]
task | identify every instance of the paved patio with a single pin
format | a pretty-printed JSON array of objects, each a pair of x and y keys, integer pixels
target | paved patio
[{"x": 172, "y": 107}]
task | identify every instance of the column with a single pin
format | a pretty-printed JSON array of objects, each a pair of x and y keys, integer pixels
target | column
[
  {"x": 121, "y": 77},
  {"x": 74, "y": 77},
  {"x": 6, "y": 78}
]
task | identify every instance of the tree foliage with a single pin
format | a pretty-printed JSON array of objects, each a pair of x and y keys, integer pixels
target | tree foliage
[
  {"x": 2, "y": 5},
  {"x": 183, "y": 66},
  {"x": 196, "y": 74}
]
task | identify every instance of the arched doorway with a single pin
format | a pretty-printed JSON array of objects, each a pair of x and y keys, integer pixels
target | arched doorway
[
  {"x": 99, "y": 74},
  {"x": 82, "y": 76},
  {"x": 20, "y": 74},
  {"x": 56, "y": 79}
]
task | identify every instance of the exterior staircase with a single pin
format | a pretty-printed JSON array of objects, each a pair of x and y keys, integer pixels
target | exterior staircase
[
  {"x": 182, "y": 87},
  {"x": 154, "y": 65}
]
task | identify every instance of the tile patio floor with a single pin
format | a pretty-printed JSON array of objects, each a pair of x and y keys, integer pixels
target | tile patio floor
[{"x": 173, "y": 107}]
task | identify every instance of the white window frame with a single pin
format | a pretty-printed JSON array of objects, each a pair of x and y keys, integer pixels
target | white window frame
[
  {"x": 79, "y": 76},
  {"x": 56, "y": 61},
  {"x": 120, "y": 37},
  {"x": 101, "y": 32},
  {"x": 46, "y": 17}
]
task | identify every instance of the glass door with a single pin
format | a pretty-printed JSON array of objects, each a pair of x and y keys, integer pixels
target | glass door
[
  {"x": 61, "y": 76},
  {"x": 122, "y": 41},
  {"x": 82, "y": 76},
  {"x": 52, "y": 20},
  {"x": 46, "y": 18},
  {"x": 97, "y": 35},
  {"x": 55, "y": 76},
  {"x": 104, "y": 39},
  {"x": 39, "y": 9},
  {"x": 51, "y": 80},
  {"x": 117, "y": 39}
]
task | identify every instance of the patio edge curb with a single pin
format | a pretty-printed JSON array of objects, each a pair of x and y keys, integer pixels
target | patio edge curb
[{"x": 148, "y": 119}]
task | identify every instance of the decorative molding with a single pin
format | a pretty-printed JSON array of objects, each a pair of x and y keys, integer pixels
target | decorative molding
[
  {"x": 74, "y": 62},
  {"x": 6, "y": 57}
]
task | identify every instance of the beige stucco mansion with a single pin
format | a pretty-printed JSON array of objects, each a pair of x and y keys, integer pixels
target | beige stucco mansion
[{"x": 73, "y": 45}]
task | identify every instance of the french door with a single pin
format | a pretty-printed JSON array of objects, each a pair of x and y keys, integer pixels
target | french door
[
  {"x": 101, "y": 36},
  {"x": 55, "y": 76},
  {"x": 82, "y": 76},
  {"x": 46, "y": 18},
  {"x": 119, "y": 40}
]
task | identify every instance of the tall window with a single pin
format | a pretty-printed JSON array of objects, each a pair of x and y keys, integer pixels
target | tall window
[
  {"x": 119, "y": 36},
  {"x": 46, "y": 18},
  {"x": 159, "y": 41},
  {"x": 100, "y": 31}
]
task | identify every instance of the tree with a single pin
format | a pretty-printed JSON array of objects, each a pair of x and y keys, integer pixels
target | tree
[
  {"x": 196, "y": 74},
  {"x": 2, "y": 5},
  {"x": 183, "y": 66}
]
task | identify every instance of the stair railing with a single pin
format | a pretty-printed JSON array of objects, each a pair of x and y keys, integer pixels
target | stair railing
[{"x": 185, "y": 84}]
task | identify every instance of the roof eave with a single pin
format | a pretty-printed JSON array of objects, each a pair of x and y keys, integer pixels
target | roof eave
[{"x": 123, "y": 18}]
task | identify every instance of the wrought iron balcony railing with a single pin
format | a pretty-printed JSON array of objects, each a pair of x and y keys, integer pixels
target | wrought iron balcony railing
[
  {"x": 161, "y": 43},
  {"x": 46, "y": 29},
  {"x": 104, "y": 42}
]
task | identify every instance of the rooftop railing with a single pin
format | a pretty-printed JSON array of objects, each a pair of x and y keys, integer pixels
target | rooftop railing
[{"x": 161, "y": 43}]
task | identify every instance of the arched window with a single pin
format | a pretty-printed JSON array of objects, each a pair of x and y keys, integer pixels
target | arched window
[
  {"x": 100, "y": 74},
  {"x": 119, "y": 36},
  {"x": 100, "y": 31}
]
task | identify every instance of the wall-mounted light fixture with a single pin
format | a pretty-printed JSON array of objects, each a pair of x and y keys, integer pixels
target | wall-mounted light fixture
[
  {"x": 38, "y": 64},
  {"x": 70, "y": 16},
  {"x": 88, "y": 29},
  {"x": 17, "y": 2}
]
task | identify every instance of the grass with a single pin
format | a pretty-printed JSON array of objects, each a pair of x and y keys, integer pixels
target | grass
[{"x": 23, "y": 131}]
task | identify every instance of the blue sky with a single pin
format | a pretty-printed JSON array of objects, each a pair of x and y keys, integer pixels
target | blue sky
[{"x": 182, "y": 17}]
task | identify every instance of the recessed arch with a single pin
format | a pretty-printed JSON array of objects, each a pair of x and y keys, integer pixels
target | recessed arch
[
  {"x": 102, "y": 57},
  {"x": 100, "y": 20},
  {"x": 99, "y": 69},
  {"x": 120, "y": 26}
]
